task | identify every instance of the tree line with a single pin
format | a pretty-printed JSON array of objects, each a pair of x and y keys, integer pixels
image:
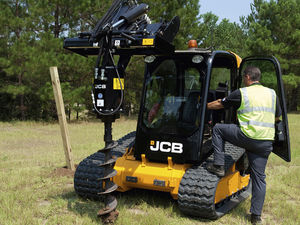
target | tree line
[{"x": 32, "y": 34}]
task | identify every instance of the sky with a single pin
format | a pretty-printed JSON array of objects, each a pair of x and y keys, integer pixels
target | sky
[{"x": 230, "y": 9}]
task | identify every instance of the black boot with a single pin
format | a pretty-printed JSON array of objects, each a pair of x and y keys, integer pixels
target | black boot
[
  {"x": 256, "y": 219},
  {"x": 216, "y": 169}
]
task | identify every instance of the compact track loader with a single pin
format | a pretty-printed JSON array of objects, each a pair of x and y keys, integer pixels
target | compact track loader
[{"x": 172, "y": 143}]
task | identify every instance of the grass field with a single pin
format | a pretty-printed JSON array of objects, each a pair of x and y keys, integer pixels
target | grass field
[{"x": 33, "y": 190}]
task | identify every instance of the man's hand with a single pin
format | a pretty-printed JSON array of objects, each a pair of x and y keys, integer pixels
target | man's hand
[{"x": 215, "y": 105}]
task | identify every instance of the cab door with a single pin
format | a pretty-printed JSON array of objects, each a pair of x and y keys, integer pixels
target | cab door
[{"x": 272, "y": 78}]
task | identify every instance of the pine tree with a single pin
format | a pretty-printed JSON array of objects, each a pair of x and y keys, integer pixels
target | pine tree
[
  {"x": 13, "y": 16},
  {"x": 274, "y": 29},
  {"x": 32, "y": 39}
]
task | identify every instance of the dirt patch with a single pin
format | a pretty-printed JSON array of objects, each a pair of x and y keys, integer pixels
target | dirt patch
[
  {"x": 110, "y": 218},
  {"x": 137, "y": 211},
  {"x": 70, "y": 185},
  {"x": 44, "y": 203},
  {"x": 63, "y": 172}
]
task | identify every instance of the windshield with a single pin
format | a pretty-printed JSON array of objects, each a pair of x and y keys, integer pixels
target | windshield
[{"x": 173, "y": 92}]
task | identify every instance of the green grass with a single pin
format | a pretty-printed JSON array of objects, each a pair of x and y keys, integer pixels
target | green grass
[{"x": 31, "y": 192}]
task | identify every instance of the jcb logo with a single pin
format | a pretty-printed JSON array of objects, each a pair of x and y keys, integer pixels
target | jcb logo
[
  {"x": 165, "y": 146},
  {"x": 100, "y": 86}
]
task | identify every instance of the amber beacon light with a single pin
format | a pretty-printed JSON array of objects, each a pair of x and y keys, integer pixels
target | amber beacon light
[{"x": 192, "y": 44}]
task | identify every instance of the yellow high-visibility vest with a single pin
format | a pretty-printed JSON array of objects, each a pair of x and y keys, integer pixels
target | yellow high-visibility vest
[{"x": 256, "y": 113}]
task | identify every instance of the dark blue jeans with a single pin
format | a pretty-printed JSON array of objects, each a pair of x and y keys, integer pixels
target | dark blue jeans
[{"x": 258, "y": 152}]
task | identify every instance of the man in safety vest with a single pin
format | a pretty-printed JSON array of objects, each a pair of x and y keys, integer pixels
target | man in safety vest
[{"x": 257, "y": 110}]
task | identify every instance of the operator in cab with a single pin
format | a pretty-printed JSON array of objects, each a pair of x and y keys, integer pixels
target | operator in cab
[{"x": 258, "y": 109}]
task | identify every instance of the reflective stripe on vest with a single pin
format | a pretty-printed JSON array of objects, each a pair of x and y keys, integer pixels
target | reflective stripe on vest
[{"x": 257, "y": 112}]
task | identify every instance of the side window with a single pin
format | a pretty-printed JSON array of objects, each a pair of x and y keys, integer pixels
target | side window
[
  {"x": 268, "y": 73},
  {"x": 220, "y": 84},
  {"x": 219, "y": 76}
]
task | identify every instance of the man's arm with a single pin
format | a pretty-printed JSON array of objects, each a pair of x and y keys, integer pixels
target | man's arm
[{"x": 215, "y": 105}]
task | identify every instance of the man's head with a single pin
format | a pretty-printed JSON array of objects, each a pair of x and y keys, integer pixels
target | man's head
[{"x": 252, "y": 74}]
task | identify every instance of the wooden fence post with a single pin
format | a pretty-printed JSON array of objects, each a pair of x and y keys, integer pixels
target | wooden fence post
[{"x": 62, "y": 117}]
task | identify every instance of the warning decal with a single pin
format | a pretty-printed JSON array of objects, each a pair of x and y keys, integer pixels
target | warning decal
[
  {"x": 117, "y": 85},
  {"x": 148, "y": 41}
]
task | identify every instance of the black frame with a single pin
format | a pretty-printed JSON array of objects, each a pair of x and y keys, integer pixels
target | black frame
[
  {"x": 280, "y": 147},
  {"x": 196, "y": 152}
]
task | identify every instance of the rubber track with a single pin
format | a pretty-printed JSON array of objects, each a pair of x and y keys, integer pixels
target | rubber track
[
  {"x": 197, "y": 188},
  {"x": 88, "y": 172}
]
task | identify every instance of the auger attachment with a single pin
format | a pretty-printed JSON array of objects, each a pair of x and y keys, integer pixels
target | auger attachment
[{"x": 108, "y": 186}]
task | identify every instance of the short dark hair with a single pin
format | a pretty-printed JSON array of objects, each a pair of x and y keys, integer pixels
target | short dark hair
[{"x": 253, "y": 72}]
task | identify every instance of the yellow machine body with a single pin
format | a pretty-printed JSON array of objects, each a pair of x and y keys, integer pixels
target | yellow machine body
[
  {"x": 132, "y": 173},
  {"x": 166, "y": 177}
]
